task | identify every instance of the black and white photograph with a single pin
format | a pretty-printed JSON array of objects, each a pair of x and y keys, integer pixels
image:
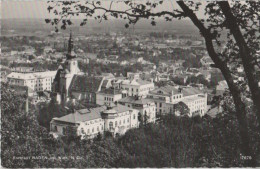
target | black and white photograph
[{"x": 130, "y": 84}]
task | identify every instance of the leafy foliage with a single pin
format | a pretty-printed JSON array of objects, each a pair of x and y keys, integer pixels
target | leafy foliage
[{"x": 176, "y": 142}]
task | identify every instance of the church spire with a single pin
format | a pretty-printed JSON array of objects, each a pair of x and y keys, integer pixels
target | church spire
[{"x": 70, "y": 46}]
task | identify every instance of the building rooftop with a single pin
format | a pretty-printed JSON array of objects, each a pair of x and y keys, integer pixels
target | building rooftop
[
  {"x": 25, "y": 76},
  {"x": 84, "y": 83},
  {"x": 110, "y": 91},
  {"x": 166, "y": 90},
  {"x": 192, "y": 99},
  {"x": 121, "y": 108},
  {"x": 191, "y": 91},
  {"x": 133, "y": 100},
  {"x": 82, "y": 115},
  {"x": 136, "y": 82}
]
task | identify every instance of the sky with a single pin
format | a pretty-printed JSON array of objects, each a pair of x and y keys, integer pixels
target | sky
[{"x": 38, "y": 8}]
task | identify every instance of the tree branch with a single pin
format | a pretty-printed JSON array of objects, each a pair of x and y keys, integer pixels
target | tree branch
[
  {"x": 205, "y": 33},
  {"x": 145, "y": 14}
]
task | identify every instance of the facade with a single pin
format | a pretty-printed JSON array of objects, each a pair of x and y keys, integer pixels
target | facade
[
  {"x": 167, "y": 97},
  {"x": 88, "y": 123},
  {"x": 197, "y": 104},
  {"x": 35, "y": 81},
  {"x": 164, "y": 97},
  {"x": 145, "y": 106},
  {"x": 108, "y": 96},
  {"x": 135, "y": 87},
  {"x": 120, "y": 118}
]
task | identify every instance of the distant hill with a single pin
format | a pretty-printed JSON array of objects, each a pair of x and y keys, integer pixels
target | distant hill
[{"x": 32, "y": 26}]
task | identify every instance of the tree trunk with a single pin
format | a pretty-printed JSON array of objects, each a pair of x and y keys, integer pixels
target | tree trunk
[
  {"x": 234, "y": 90},
  {"x": 242, "y": 119},
  {"x": 247, "y": 59}
]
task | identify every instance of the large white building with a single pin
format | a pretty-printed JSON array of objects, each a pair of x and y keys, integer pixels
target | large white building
[
  {"x": 145, "y": 106},
  {"x": 36, "y": 81},
  {"x": 167, "y": 97},
  {"x": 134, "y": 87},
  {"x": 87, "y": 123}
]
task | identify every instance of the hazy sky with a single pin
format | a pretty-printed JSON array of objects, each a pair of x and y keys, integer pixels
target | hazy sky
[{"x": 38, "y": 8}]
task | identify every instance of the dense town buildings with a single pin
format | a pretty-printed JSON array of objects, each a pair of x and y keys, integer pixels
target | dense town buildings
[{"x": 105, "y": 95}]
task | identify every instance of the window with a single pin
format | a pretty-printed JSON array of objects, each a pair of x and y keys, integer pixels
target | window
[
  {"x": 93, "y": 130},
  {"x": 128, "y": 120},
  {"x": 82, "y": 131},
  {"x": 124, "y": 121},
  {"x": 120, "y": 122},
  {"x": 116, "y": 124},
  {"x": 55, "y": 128},
  {"x": 134, "y": 116},
  {"x": 110, "y": 125},
  {"x": 160, "y": 104},
  {"x": 97, "y": 128},
  {"x": 102, "y": 127},
  {"x": 63, "y": 130}
]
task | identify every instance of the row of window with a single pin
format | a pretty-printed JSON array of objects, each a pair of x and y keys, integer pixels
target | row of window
[
  {"x": 109, "y": 99},
  {"x": 160, "y": 104},
  {"x": 124, "y": 113},
  {"x": 177, "y": 97},
  {"x": 111, "y": 123},
  {"x": 145, "y": 89},
  {"x": 16, "y": 81},
  {"x": 93, "y": 121},
  {"x": 40, "y": 80},
  {"x": 137, "y": 90},
  {"x": 93, "y": 130}
]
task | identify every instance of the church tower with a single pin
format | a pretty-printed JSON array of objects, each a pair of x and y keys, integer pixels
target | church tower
[
  {"x": 66, "y": 73},
  {"x": 71, "y": 59}
]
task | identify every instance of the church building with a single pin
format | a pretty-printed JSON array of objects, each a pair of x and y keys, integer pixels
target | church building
[{"x": 71, "y": 83}]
